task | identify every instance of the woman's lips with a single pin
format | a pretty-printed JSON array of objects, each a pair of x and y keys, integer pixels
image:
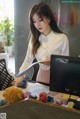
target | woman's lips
[{"x": 39, "y": 29}]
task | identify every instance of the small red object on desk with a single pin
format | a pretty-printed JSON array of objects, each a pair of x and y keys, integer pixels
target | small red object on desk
[{"x": 43, "y": 97}]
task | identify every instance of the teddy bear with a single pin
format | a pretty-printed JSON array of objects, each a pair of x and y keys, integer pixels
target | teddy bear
[{"x": 13, "y": 94}]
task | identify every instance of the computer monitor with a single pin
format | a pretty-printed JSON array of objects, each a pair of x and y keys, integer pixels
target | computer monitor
[{"x": 65, "y": 74}]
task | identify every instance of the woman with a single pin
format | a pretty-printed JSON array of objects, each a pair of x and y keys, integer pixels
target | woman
[{"x": 46, "y": 39}]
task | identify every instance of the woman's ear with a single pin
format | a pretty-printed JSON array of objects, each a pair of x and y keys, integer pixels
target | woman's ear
[{"x": 48, "y": 20}]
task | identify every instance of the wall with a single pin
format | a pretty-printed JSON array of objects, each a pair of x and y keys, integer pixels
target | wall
[
  {"x": 68, "y": 19},
  {"x": 21, "y": 11},
  {"x": 62, "y": 11}
]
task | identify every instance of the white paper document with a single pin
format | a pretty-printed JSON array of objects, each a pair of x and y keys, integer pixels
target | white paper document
[
  {"x": 23, "y": 72},
  {"x": 37, "y": 88}
]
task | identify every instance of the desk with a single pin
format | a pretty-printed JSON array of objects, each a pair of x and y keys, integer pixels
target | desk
[{"x": 33, "y": 109}]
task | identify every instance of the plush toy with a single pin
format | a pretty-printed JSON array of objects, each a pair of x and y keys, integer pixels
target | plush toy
[{"x": 13, "y": 94}]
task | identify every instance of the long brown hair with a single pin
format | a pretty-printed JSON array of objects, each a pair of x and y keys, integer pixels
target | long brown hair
[{"x": 41, "y": 9}]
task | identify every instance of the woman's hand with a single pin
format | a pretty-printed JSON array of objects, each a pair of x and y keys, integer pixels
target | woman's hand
[
  {"x": 18, "y": 81},
  {"x": 46, "y": 62}
]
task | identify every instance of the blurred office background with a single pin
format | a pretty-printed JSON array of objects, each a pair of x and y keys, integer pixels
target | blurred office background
[
  {"x": 7, "y": 33},
  {"x": 66, "y": 14},
  {"x": 68, "y": 19}
]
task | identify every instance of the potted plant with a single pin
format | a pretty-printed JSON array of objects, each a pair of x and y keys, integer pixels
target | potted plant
[{"x": 7, "y": 30}]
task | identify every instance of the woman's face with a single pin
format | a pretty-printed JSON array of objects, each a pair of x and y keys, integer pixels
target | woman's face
[{"x": 42, "y": 25}]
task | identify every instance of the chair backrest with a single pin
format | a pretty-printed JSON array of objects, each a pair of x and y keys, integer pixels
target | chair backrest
[
  {"x": 4, "y": 56},
  {"x": 5, "y": 78},
  {"x": 36, "y": 68}
]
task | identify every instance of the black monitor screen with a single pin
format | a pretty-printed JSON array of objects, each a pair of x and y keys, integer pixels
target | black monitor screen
[{"x": 65, "y": 74}]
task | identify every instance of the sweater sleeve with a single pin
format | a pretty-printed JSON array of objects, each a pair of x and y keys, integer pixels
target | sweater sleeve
[
  {"x": 65, "y": 47},
  {"x": 28, "y": 59}
]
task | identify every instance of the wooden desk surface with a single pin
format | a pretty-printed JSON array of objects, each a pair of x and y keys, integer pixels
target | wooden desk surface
[
  {"x": 31, "y": 109},
  {"x": 34, "y": 109}
]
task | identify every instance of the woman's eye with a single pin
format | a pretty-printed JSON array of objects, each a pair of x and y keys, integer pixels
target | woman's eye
[
  {"x": 34, "y": 21},
  {"x": 40, "y": 19}
]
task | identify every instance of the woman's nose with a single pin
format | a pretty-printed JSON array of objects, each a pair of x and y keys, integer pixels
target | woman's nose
[{"x": 37, "y": 24}]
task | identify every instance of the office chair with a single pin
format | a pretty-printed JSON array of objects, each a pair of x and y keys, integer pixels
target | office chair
[
  {"x": 5, "y": 78},
  {"x": 36, "y": 68}
]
